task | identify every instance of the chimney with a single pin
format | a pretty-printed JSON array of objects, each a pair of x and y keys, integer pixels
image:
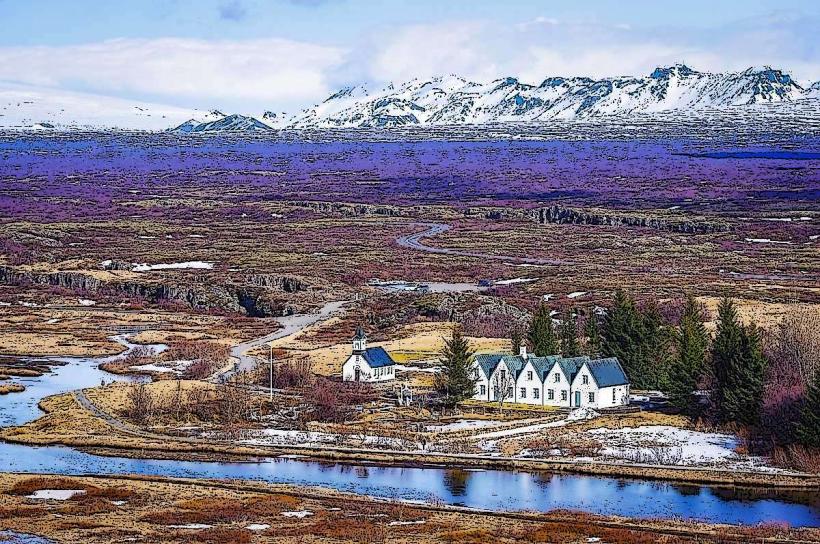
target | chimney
[{"x": 522, "y": 351}]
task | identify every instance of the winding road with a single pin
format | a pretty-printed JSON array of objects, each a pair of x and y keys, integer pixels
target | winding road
[
  {"x": 291, "y": 324},
  {"x": 413, "y": 241}
]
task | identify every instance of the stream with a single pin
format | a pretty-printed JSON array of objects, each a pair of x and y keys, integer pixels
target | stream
[{"x": 490, "y": 489}]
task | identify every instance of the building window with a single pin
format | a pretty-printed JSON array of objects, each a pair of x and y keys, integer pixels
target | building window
[
  {"x": 585, "y": 379},
  {"x": 557, "y": 377},
  {"x": 613, "y": 394},
  {"x": 551, "y": 394},
  {"x": 510, "y": 393},
  {"x": 483, "y": 389},
  {"x": 591, "y": 397},
  {"x": 564, "y": 395},
  {"x": 503, "y": 376},
  {"x": 523, "y": 392},
  {"x": 535, "y": 393},
  {"x": 529, "y": 375}
]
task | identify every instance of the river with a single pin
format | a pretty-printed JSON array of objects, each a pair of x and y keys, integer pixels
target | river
[{"x": 492, "y": 489}]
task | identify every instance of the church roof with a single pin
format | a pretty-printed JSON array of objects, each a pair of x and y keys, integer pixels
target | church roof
[
  {"x": 377, "y": 357},
  {"x": 360, "y": 335}
]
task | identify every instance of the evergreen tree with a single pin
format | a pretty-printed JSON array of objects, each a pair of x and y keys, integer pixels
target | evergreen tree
[
  {"x": 808, "y": 430},
  {"x": 739, "y": 367},
  {"x": 569, "y": 335},
  {"x": 689, "y": 363},
  {"x": 515, "y": 339},
  {"x": 457, "y": 381},
  {"x": 725, "y": 347},
  {"x": 541, "y": 335},
  {"x": 592, "y": 334},
  {"x": 655, "y": 346},
  {"x": 623, "y": 338}
]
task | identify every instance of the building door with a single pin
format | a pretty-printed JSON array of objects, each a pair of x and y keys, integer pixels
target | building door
[
  {"x": 577, "y": 398},
  {"x": 356, "y": 374}
]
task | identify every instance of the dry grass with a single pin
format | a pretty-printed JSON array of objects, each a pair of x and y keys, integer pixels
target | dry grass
[{"x": 5, "y": 389}]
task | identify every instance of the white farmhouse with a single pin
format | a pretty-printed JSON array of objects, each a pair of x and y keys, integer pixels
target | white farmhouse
[
  {"x": 551, "y": 381},
  {"x": 367, "y": 364}
]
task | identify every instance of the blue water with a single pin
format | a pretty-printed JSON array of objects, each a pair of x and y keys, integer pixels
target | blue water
[{"x": 492, "y": 489}]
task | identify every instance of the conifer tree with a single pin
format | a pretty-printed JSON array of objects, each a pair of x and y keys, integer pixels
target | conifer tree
[
  {"x": 569, "y": 335},
  {"x": 808, "y": 430},
  {"x": 541, "y": 335},
  {"x": 689, "y": 362},
  {"x": 739, "y": 367},
  {"x": 592, "y": 334},
  {"x": 623, "y": 338},
  {"x": 457, "y": 380},
  {"x": 655, "y": 341}
]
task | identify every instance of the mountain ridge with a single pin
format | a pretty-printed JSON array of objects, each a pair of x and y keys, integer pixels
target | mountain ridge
[{"x": 451, "y": 100}]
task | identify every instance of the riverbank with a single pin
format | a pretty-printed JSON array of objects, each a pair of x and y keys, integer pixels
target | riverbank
[
  {"x": 94, "y": 509},
  {"x": 69, "y": 422}
]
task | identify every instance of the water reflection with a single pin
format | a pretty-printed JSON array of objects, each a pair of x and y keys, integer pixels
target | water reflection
[{"x": 455, "y": 480}]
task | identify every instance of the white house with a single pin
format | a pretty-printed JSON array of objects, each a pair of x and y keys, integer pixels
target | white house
[
  {"x": 367, "y": 364},
  {"x": 552, "y": 380}
]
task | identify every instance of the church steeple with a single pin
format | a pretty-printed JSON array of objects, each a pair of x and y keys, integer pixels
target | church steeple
[{"x": 359, "y": 341}]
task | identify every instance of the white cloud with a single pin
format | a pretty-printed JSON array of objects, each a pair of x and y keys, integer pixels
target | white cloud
[
  {"x": 251, "y": 75},
  {"x": 261, "y": 73}
]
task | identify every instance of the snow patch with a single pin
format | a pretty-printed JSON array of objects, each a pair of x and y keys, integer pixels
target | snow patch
[
  {"x": 55, "y": 494},
  {"x": 298, "y": 514},
  {"x": 144, "y": 267},
  {"x": 514, "y": 281}
]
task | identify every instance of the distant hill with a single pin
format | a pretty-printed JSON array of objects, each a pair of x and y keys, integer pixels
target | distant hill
[{"x": 227, "y": 124}]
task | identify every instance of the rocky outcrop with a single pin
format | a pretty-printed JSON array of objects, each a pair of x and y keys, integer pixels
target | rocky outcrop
[
  {"x": 351, "y": 209},
  {"x": 287, "y": 284},
  {"x": 259, "y": 296},
  {"x": 561, "y": 215}
]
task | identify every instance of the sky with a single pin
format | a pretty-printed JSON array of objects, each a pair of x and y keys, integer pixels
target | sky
[{"x": 284, "y": 55}]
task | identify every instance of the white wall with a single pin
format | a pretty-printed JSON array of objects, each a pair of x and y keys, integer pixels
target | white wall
[
  {"x": 561, "y": 385},
  {"x": 482, "y": 380},
  {"x": 502, "y": 366},
  {"x": 530, "y": 385},
  {"x": 585, "y": 389},
  {"x": 620, "y": 393}
]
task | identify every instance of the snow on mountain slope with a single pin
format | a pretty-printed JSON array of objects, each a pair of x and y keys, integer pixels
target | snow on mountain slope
[
  {"x": 455, "y": 101},
  {"x": 26, "y": 107},
  {"x": 229, "y": 123}
]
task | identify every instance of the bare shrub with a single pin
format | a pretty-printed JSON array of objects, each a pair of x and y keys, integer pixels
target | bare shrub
[
  {"x": 797, "y": 457},
  {"x": 796, "y": 343},
  {"x": 296, "y": 374},
  {"x": 334, "y": 402},
  {"x": 141, "y": 403}
]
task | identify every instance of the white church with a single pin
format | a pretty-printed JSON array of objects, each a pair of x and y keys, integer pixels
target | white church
[
  {"x": 551, "y": 381},
  {"x": 368, "y": 364}
]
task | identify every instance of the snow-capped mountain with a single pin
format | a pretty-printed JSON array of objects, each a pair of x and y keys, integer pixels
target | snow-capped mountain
[
  {"x": 453, "y": 100},
  {"x": 28, "y": 107},
  {"x": 226, "y": 124}
]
